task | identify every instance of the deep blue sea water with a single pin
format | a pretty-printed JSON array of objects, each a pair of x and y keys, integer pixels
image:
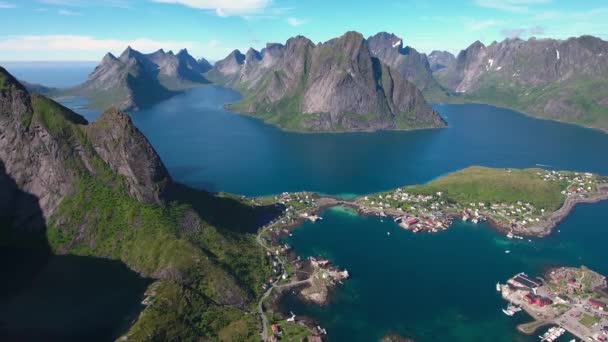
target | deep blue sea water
[
  {"x": 51, "y": 74},
  {"x": 431, "y": 287}
]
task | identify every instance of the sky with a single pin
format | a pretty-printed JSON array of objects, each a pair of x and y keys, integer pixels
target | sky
[{"x": 84, "y": 30}]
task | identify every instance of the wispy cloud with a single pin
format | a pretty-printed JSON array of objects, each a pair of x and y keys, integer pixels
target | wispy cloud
[
  {"x": 292, "y": 21},
  {"x": 521, "y": 31},
  {"x": 518, "y": 6},
  {"x": 224, "y": 8},
  {"x": 478, "y": 25},
  {"x": 68, "y": 13},
  {"x": 6, "y": 5},
  {"x": 75, "y": 47}
]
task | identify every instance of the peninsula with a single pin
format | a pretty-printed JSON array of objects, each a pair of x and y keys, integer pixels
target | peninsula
[{"x": 518, "y": 202}]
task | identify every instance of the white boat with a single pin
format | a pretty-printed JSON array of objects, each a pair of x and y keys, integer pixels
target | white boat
[
  {"x": 511, "y": 310},
  {"x": 498, "y": 287},
  {"x": 507, "y": 251}
]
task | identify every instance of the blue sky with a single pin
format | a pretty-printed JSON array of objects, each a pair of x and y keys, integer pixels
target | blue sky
[{"x": 86, "y": 29}]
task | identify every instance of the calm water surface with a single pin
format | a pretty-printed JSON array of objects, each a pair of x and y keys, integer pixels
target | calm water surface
[{"x": 431, "y": 287}]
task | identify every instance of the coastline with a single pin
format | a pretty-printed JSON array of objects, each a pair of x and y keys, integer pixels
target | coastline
[
  {"x": 522, "y": 111},
  {"x": 323, "y": 202}
]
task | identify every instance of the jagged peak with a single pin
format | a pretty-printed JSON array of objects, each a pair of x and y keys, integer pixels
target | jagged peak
[
  {"x": 129, "y": 53},
  {"x": 476, "y": 45},
  {"x": 8, "y": 81},
  {"x": 253, "y": 54},
  {"x": 237, "y": 56},
  {"x": 183, "y": 52},
  {"x": 109, "y": 58}
]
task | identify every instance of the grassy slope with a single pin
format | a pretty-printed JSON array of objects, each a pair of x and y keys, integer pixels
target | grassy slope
[
  {"x": 208, "y": 264},
  {"x": 480, "y": 184},
  {"x": 578, "y": 94}
]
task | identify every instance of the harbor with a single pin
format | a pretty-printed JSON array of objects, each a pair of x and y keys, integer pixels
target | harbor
[{"x": 570, "y": 300}]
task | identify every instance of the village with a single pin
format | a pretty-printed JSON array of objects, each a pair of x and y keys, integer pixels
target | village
[
  {"x": 424, "y": 212},
  {"x": 312, "y": 277},
  {"x": 568, "y": 299}
]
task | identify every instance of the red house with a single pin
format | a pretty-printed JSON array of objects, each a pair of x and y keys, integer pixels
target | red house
[
  {"x": 412, "y": 221},
  {"x": 537, "y": 300},
  {"x": 597, "y": 304}
]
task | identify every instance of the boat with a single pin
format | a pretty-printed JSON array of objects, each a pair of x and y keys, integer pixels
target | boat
[
  {"x": 388, "y": 233},
  {"x": 498, "y": 287},
  {"x": 507, "y": 251},
  {"x": 511, "y": 310}
]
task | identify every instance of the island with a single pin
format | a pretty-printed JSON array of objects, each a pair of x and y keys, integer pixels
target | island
[{"x": 570, "y": 299}]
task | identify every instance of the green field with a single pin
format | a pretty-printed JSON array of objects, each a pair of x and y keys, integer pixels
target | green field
[
  {"x": 488, "y": 185},
  {"x": 589, "y": 320}
]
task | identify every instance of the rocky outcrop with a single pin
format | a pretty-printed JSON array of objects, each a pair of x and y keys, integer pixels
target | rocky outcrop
[
  {"x": 136, "y": 80},
  {"x": 440, "y": 59},
  {"x": 31, "y": 155},
  {"x": 564, "y": 80},
  {"x": 44, "y": 150},
  {"x": 336, "y": 85},
  {"x": 412, "y": 65},
  {"x": 127, "y": 151}
]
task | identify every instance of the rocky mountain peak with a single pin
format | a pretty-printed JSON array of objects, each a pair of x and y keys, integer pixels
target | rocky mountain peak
[
  {"x": 253, "y": 55},
  {"x": 127, "y": 151}
]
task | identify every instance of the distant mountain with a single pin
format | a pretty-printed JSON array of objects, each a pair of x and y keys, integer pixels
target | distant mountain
[
  {"x": 334, "y": 86},
  {"x": 135, "y": 80},
  {"x": 565, "y": 80},
  {"x": 411, "y": 64},
  {"x": 440, "y": 59}
]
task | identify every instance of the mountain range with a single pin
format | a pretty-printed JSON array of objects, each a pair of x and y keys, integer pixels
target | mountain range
[
  {"x": 565, "y": 80},
  {"x": 339, "y": 85},
  {"x": 352, "y": 83},
  {"x": 135, "y": 80},
  {"x": 100, "y": 189}
]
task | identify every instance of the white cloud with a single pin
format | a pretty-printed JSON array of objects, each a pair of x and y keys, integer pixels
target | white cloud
[
  {"x": 292, "y": 21},
  {"x": 75, "y": 47},
  {"x": 68, "y": 12},
  {"x": 6, "y": 5},
  {"x": 224, "y": 8},
  {"x": 518, "y": 6}
]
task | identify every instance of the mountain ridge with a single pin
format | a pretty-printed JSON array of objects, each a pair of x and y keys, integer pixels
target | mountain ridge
[
  {"x": 135, "y": 80},
  {"x": 562, "y": 80},
  {"x": 333, "y": 86}
]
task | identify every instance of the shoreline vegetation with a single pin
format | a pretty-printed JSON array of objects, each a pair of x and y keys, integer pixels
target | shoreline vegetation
[{"x": 516, "y": 202}]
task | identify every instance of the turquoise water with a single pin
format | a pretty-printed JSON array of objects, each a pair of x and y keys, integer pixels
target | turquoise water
[{"x": 440, "y": 286}]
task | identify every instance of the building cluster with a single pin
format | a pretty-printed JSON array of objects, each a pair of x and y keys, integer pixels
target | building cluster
[
  {"x": 574, "y": 183},
  {"x": 573, "y": 298}
]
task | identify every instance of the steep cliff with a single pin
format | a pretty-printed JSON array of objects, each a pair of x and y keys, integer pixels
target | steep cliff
[
  {"x": 334, "y": 86},
  {"x": 101, "y": 190}
]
